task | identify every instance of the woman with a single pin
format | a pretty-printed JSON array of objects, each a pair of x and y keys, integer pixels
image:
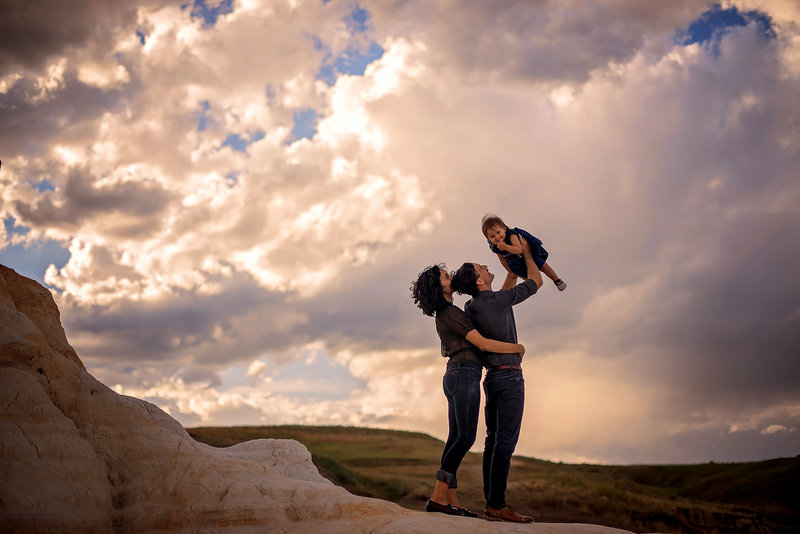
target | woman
[{"x": 461, "y": 342}]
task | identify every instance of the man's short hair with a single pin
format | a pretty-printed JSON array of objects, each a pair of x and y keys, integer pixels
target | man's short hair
[
  {"x": 491, "y": 220},
  {"x": 465, "y": 280}
]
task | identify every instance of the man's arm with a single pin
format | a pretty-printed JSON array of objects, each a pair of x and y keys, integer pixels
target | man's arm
[
  {"x": 507, "y": 297},
  {"x": 511, "y": 278},
  {"x": 509, "y": 282},
  {"x": 533, "y": 270}
]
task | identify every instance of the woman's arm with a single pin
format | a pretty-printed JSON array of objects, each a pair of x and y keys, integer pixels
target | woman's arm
[{"x": 492, "y": 345}]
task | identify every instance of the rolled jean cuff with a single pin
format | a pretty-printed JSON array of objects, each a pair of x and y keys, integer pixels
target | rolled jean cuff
[{"x": 447, "y": 478}]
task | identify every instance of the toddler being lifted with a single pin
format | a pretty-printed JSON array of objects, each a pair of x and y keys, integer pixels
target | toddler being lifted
[{"x": 505, "y": 242}]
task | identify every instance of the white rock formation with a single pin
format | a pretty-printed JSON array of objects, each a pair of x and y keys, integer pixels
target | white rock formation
[{"x": 76, "y": 457}]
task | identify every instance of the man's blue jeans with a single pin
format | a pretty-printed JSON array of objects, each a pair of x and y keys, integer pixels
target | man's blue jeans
[
  {"x": 505, "y": 400},
  {"x": 462, "y": 387}
]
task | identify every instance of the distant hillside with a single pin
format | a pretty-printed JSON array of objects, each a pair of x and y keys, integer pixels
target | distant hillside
[{"x": 755, "y": 497}]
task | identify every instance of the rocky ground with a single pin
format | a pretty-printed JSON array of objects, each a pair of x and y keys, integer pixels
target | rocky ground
[{"x": 75, "y": 456}]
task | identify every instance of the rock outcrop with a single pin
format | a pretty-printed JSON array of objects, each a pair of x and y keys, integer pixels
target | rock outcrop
[{"x": 76, "y": 457}]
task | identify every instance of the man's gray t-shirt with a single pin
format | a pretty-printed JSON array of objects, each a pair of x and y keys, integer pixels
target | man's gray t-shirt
[{"x": 493, "y": 316}]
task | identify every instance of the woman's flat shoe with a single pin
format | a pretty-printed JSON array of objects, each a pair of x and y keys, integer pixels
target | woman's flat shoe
[
  {"x": 449, "y": 509},
  {"x": 466, "y": 512}
]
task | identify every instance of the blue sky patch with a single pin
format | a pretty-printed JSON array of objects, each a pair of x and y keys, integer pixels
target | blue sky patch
[
  {"x": 43, "y": 185},
  {"x": 200, "y": 10},
  {"x": 232, "y": 178},
  {"x": 316, "y": 42},
  {"x": 716, "y": 21},
  {"x": 141, "y": 35},
  {"x": 202, "y": 116},
  {"x": 327, "y": 73},
  {"x": 325, "y": 378},
  {"x": 240, "y": 143},
  {"x": 12, "y": 229},
  {"x": 321, "y": 374},
  {"x": 358, "y": 20},
  {"x": 305, "y": 125},
  {"x": 32, "y": 261},
  {"x": 354, "y": 61},
  {"x": 359, "y": 53}
]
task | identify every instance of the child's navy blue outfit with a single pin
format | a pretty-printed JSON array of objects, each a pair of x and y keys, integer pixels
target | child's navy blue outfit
[{"x": 516, "y": 262}]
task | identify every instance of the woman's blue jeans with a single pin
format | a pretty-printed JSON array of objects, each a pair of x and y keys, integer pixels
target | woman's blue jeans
[
  {"x": 505, "y": 400},
  {"x": 462, "y": 387}
]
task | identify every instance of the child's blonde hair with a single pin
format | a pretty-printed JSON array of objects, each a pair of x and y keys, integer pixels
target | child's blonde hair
[{"x": 490, "y": 220}]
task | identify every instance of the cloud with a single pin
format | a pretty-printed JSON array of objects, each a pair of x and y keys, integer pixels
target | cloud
[
  {"x": 313, "y": 399},
  {"x": 125, "y": 208},
  {"x": 281, "y": 220},
  {"x": 39, "y": 112},
  {"x": 514, "y": 41},
  {"x": 771, "y": 429},
  {"x": 32, "y": 34},
  {"x": 210, "y": 246},
  {"x": 256, "y": 368}
]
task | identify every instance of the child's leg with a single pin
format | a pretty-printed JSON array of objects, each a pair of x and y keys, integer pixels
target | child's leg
[{"x": 549, "y": 272}]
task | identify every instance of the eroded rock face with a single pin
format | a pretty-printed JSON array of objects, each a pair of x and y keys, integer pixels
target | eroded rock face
[{"x": 75, "y": 456}]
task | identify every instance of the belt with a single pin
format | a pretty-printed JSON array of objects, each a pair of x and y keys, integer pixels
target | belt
[
  {"x": 464, "y": 363},
  {"x": 465, "y": 357},
  {"x": 504, "y": 367}
]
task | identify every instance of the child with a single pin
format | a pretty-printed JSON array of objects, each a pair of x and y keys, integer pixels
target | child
[{"x": 506, "y": 243}]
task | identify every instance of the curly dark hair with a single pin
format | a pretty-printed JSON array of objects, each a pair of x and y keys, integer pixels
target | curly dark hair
[
  {"x": 427, "y": 290},
  {"x": 465, "y": 280}
]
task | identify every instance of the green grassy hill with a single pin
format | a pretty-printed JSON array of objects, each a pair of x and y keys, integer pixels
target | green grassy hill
[{"x": 755, "y": 497}]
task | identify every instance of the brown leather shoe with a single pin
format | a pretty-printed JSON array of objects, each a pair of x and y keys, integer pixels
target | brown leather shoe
[{"x": 505, "y": 514}]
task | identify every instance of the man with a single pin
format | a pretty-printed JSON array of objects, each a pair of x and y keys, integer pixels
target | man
[{"x": 491, "y": 313}]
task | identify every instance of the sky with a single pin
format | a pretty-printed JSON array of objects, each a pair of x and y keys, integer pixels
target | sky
[{"x": 229, "y": 201}]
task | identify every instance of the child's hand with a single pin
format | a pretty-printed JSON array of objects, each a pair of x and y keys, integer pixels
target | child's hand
[{"x": 501, "y": 245}]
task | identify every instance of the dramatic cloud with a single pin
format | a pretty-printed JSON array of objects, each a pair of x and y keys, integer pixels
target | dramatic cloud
[
  {"x": 31, "y": 34},
  {"x": 243, "y": 191}
]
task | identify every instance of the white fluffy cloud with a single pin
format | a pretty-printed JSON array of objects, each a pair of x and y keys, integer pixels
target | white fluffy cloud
[
  {"x": 152, "y": 203},
  {"x": 207, "y": 240}
]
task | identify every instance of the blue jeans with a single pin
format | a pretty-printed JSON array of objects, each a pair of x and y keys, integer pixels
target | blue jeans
[
  {"x": 462, "y": 387},
  {"x": 505, "y": 400}
]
